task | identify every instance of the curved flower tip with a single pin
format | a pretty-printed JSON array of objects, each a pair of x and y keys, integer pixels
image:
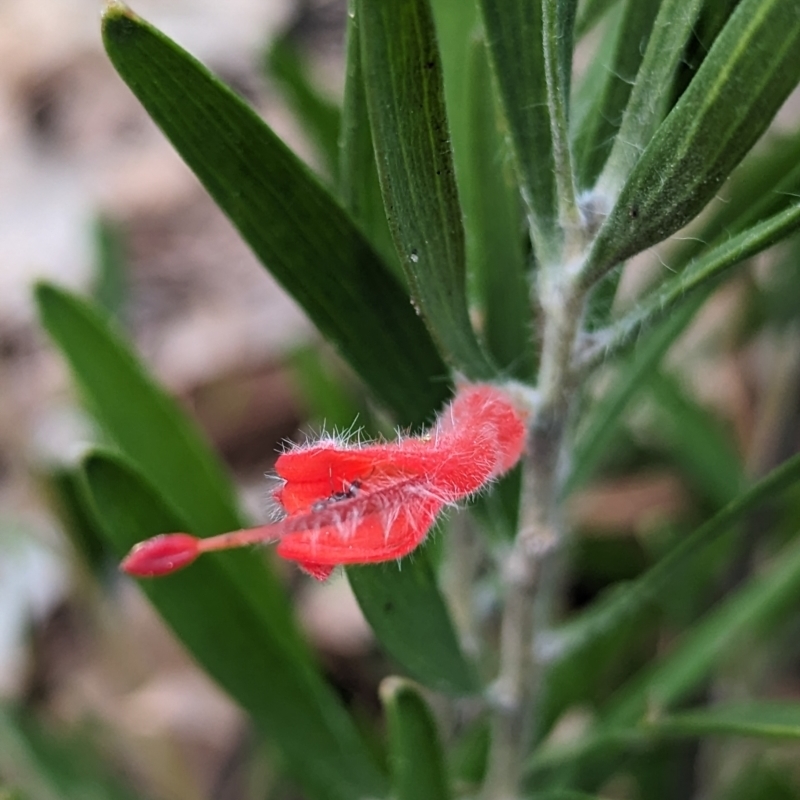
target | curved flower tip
[{"x": 358, "y": 504}]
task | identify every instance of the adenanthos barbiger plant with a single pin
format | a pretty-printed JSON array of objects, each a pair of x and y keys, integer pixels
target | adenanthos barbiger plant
[{"x": 464, "y": 150}]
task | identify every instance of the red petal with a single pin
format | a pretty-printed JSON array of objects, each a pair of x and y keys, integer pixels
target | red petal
[{"x": 365, "y": 540}]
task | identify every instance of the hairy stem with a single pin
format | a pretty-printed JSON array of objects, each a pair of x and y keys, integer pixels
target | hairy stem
[{"x": 531, "y": 572}]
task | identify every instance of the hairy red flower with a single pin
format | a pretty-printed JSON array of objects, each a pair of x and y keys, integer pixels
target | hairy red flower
[{"x": 358, "y": 504}]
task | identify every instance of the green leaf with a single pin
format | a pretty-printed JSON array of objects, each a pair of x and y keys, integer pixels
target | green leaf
[
  {"x": 415, "y": 752},
  {"x": 245, "y": 651},
  {"x": 759, "y": 719},
  {"x": 155, "y": 434},
  {"x": 110, "y": 284},
  {"x": 359, "y": 187},
  {"x": 696, "y": 439},
  {"x": 495, "y": 234},
  {"x": 632, "y": 599},
  {"x": 404, "y": 606},
  {"x": 647, "y": 103},
  {"x": 662, "y": 685},
  {"x": 613, "y": 80},
  {"x": 46, "y": 767},
  {"x": 289, "y": 220},
  {"x": 700, "y": 275},
  {"x": 711, "y": 640},
  {"x": 603, "y": 420},
  {"x": 743, "y": 81},
  {"x": 514, "y": 37},
  {"x": 405, "y": 98},
  {"x": 319, "y": 116},
  {"x": 65, "y": 490}
]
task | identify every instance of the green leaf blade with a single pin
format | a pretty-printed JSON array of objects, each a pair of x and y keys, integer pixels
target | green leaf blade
[
  {"x": 244, "y": 651},
  {"x": 289, "y": 220},
  {"x": 155, "y": 435},
  {"x": 405, "y": 608},
  {"x": 514, "y": 37},
  {"x": 751, "y": 69},
  {"x": 405, "y": 98},
  {"x": 415, "y": 752}
]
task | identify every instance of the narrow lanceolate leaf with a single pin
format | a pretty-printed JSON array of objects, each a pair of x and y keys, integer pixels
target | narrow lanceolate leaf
[
  {"x": 495, "y": 234},
  {"x": 634, "y": 598},
  {"x": 696, "y": 440},
  {"x": 657, "y": 688},
  {"x": 243, "y": 650},
  {"x": 760, "y": 719},
  {"x": 405, "y": 97},
  {"x": 289, "y": 220},
  {"x": 700, "y": 275},
  {"x": 750, "y": 70},
  {"x": 648, "y": 100},
  {"x": 615, "y": 77},
  {"x": 359, "y": 187},
  {"x": 514, "y": 37},
  {"x": 415, "y": 752},
  {"x": 711, "y": 640},
  {"x": 405, "y": 608},
  {"x": 319, "y": 116},
  {"x": 156, "y": 435},
  {"x": 757, "y": 719},
  {"x": 602, "y": 422}
]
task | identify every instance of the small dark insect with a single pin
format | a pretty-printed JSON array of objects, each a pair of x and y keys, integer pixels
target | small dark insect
[{"x": 347, "y": 494}]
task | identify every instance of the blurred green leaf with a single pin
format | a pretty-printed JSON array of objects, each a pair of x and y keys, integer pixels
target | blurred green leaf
[
  {"x": 514, "y": 38},
  {"x": 41, "y": 766},
  {"x": 405, "y": 608},
  {"x": 415, "y": 752},
  {"x": 495, "y": 233},
  {"x": 757, "y": 719},
  {"x": 700, "y": 275},
  {"x": 405, "y": 98},
  {"x": 359, "y": 187},
  {"x": 615, "y": 79},
  {"x": 66, "y": 491},
  {"x": 110, "y": 285},
  {"x": 468, "y": 757},
  {"x": 246, "y": 652},
  {"x": 741, "y": 84},
  {"x": 602, "y": 421},
  {"x": 647, "y": 102},
  {"x": 711, "y": 640},
  {"x": 762, "y": 719},
  {"x": 319, "y": 116},
  {"x": 700, "y": 649},
  {"x": 633, "y": 598},
  {"x": 696, "y": 439},
  {"x": 292, "y": 224},
  {"x": 156, "y": 435}
]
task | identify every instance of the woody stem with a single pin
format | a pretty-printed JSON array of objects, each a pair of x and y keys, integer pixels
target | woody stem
[{"x": 533, "y": 572}]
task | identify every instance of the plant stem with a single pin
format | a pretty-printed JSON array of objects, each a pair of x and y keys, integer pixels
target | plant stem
[{"x": 532, "y": 573}]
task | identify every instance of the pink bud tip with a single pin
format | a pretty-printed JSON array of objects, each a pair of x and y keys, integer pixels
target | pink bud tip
[{"x": 161, "y": 555}]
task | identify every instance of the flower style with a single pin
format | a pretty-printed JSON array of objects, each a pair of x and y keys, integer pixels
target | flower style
[{"x": 358, "y": 504}]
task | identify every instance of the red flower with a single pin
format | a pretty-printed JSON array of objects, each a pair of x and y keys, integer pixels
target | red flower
[{"x": 357, "y": 504}]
